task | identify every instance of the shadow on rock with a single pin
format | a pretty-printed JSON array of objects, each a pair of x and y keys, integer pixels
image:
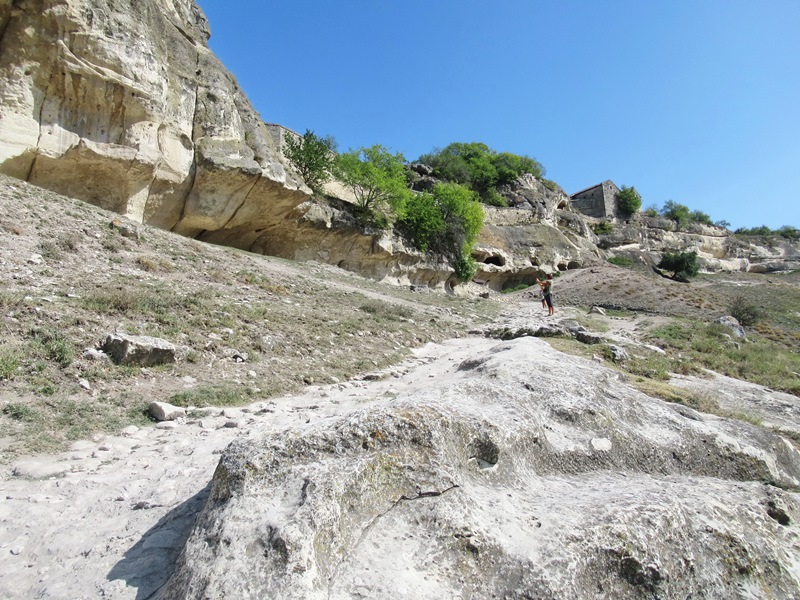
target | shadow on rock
[{"x": 149, "y": 564}]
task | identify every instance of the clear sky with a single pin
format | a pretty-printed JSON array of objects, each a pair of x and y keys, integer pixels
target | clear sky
[{"x": 696, "y": 101}]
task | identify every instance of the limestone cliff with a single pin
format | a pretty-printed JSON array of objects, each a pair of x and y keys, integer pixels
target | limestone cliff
[{"x": 122, "y": 104}]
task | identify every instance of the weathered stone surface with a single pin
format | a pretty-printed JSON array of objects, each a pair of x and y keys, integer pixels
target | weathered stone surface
[
  {"x": 733, "y": 324},
  {"x": 123, "y": 105},
  {"x": 140, "y": 350},
  {"x": 588, "y": 337},
  {"x": 163, "y": 411},
  {"x": 509, "y": 477}
]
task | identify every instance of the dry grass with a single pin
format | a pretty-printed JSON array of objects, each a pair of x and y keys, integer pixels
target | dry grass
[{"x": 295, "y": 323}]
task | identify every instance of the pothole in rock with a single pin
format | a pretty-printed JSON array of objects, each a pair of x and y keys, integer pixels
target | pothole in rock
[{"x": 485, "y": 452}]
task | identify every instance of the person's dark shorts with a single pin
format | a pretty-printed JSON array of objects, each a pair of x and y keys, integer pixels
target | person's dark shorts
[{"x": 549, "y": 299}]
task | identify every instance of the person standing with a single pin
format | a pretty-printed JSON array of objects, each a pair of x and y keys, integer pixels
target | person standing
[{"x": 547, "y": 293}]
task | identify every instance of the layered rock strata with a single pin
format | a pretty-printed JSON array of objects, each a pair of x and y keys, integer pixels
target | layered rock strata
[{"x": 123, "y": 105}]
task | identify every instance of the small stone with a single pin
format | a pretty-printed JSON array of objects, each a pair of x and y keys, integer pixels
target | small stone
[
  {"x": 601, "y": 444},
  {"x": 163, "y": 411},
  {"x": 166, "y": 425}
]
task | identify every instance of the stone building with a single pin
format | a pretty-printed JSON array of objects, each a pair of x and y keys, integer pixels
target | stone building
[
  {"x": 277, "y": 133},
  {"x": 599, "y": 201}
]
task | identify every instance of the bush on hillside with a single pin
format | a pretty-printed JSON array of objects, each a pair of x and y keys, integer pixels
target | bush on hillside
[
  {"x": 788, "y": 232},
  {"x": 446, "y": 222},
  {"x": 679, "y": 213},
  {"x": 682, "y": 264},
  {"x": 745, "y": 312},
  {"x": 480, "y": 168},
  {"x": 602, "y": 228},
  {"x": 621, "y": 261}
]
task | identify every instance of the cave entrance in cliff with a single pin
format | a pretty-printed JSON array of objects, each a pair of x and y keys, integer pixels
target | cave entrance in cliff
[
  {"x": 495, "y": 260},
  {"x": 490, "y": 259}
]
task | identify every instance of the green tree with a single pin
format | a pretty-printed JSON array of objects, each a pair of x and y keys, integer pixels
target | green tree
[
  {"x": 421, "y": 221},
  {"x": 446, "y": 222},
  {"x": 629, "y": 200},
  {"x": 682, "y": 264},
  {"x": 698, "y": 216},
  {"x": 312, "y": 156},
  {"x": 677, "y": 212},
  {"x": 376, "y": 178},
  {"x": 480, "y": 168}
]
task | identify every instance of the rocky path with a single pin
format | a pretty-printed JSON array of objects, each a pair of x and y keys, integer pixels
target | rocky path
[{"x": 107, "y": 518}]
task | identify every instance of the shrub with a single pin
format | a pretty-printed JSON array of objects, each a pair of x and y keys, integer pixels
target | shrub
[
  {"x": 312, "y": 156},
  {"x": 602, "y": 228},
  {"x": 550, "y": 185},
  {"x": 651, "y": 211},
  {"x": 446, "y": 222},
  {"x": 677, "y": 212},
  {"x": 422, "y": 221},
  {"x": 465, "y": 268},
  {"x": 480, "y": 168},
  {"x": 682, "y": 264},
  {"x": 629, "y": 200},
  {"x": 745, "y": 312},
  {"x": 698, "y": 216}
]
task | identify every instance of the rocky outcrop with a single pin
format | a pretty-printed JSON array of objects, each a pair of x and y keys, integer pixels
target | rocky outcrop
[
  {"x": 511, "y": 477},
  {"x": 647, "y": 238},
  {"x": 123, "y": 105}
]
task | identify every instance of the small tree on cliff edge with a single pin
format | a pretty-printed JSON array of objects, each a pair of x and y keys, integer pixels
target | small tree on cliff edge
[
  {"x": 629, "y": 200},
  {"x": 377, "y": 179},
  {"x": 312, "y": 156}
]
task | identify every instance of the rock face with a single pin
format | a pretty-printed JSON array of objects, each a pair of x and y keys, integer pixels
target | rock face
[
  {"x": 508, "y": 478},
  {"x": 123, "y": 105},
  {"x": 647, "y": 238}
]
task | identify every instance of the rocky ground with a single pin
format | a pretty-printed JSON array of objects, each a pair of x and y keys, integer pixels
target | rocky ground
[{"x": 101, "y": 507}]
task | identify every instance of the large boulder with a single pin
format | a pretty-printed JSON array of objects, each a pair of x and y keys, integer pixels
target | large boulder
[{"x": 524, "y": 473}]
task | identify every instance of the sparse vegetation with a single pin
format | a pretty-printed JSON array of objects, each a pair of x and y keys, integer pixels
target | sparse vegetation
[
  {"x": 602, "y": 228},
  {"x": 621, "y": 261},
  {"x": 692, "y": 346},
  {"x": 275, "y": 312}
]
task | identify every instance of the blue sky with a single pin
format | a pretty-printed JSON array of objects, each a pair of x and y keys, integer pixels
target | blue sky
[{"x": 696, "y": 101}]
